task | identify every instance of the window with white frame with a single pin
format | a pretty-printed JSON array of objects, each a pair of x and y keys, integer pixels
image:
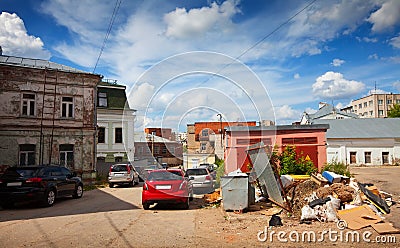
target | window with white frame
[
  {"x": 367, "y": 157},
  {"x": 101, "y": 135},
  {"x": 67, "y": 155},
  {"x": 67, "y": 107},
  {"x": 26, "y": 154},
  {"x": 102, "y": 99},
  {"x": 118, "y": 135},
  {"x": 28, "y": 104}
]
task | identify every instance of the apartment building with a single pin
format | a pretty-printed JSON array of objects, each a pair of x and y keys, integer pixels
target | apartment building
[
  {"x": 115, "y": 124},
  {"x": 47, "y": 114},
  {"x": 374, "y": 105}
]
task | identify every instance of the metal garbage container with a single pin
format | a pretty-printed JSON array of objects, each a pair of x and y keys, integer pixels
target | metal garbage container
[{"x": 237, "y": 192}]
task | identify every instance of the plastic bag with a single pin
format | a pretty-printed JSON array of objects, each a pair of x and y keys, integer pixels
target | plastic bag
[{"x": 307, "y": 213}]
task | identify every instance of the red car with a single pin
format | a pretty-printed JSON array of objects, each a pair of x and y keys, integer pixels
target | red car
[{"x": 171, "y": 186}]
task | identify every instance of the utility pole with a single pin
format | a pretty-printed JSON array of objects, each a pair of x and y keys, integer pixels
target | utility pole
[{"x": 220, "y": 122}]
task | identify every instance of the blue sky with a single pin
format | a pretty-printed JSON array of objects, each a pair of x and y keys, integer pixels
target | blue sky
[{"x": 186, "y": 61}]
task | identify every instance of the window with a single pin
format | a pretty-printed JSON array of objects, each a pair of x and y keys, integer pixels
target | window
[
  {"x": 371, "y": 113},
  {"x": 28, "y": 105},
  {"x": 365, "y": 104},
  {"x": 102, "y": 99},
  {"x": 389, "y": 101},
  {"x": 101, "y": 160},
  {"x": 380, "y": 102},
  {"x": 380, "y": 112},
  {"x": 385, "y": 157},
  {"x": 164, "y": 150},
  {"x": 360, "y": 105},
  {"x": 67, "y": 155},
  {"x": 101, "y": 135},
  {"x": 26, "y": 154},
  {"x": 67, "y": 107},
  {"x": 371, "y": 103},
  {"x": 398, "y": 101},
  {"x": 353, "y": 157},
  {"x": 156, "y": 150},
  {"x": 118, "y": 135},
  {"x": 204, "y": 132},
  {"x": 203, "y": 147},
  {"x": 367, "y": 157},
  {"x": 118, "y": 159}
]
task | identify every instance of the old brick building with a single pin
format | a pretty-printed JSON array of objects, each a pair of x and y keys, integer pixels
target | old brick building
[{"x": 47, "y": 114}]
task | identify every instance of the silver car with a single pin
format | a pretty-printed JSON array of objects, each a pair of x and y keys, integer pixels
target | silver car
[
  {"x": 122, "y": 174},
  {"x": 201, "y": 179}
]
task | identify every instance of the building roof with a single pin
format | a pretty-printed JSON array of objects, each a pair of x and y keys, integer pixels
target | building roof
[
  {"x": 144, "y": 137},
  {"x": 276, "y": 128},
  {"x": 362, "y": 128},
  {"x": 36, "y": 64},
  {"x": 328, "y": 109},
  {"x": 116, "y": 96}
]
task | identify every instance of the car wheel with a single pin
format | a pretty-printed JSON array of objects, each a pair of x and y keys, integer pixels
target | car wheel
[
  {"x": 50, "y": 198},
  {"x": 191, "y": 196},
  {"x": 78, "y": 192},
  {"x": 131, "y": 184},
  {"x": 185, "y": 205},
  {"x": 111, "y": 185},
  {"x": 146, "y": 206}
]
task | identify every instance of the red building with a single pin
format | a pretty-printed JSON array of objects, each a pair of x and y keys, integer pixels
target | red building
[
  {"x": 165, "y": 133},
  {"x": 310, "y": 140}
]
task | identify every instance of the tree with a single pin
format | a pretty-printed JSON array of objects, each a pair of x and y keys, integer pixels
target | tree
[{"x": 394, "y": 112}]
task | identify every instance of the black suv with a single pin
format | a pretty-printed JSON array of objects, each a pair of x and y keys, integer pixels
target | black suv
[{"x": 38, "y": 183}]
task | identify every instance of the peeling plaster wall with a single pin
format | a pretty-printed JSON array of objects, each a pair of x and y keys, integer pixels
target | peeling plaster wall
[{"x": 49, "y": 87}]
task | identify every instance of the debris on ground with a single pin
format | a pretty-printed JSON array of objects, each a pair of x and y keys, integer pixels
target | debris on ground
[{"x": 214, "y": 197}]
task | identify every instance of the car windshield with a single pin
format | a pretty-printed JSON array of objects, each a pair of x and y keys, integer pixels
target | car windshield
[
  {"x": 163, "y": 176},
  {"x": 196, "y": 172},
  {"x": 119, "y": 168}
]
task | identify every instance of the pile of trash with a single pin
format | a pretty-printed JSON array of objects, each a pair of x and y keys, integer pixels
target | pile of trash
[{"x": 329, "y": 197}]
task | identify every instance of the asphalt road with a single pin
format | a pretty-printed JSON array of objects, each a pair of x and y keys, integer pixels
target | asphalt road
[{"x": 108, "y": 217}]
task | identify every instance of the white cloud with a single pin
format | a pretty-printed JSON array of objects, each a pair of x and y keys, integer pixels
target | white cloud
[
  {"x": 376, "y": 91},
  {"x": 373, "y": 56},
  {"x": 396, "y": 85},
  {"x": 197, "y": 22},
  {"x": 386, "y": 17},
  {"x": 332, "y": 85},
  {"x": 15, "y": 40},
  {"x": 139, "y": 96},
  {"x": 296, "y": 76},
  {"x": 69, "y": 13},
  {"x": 286, "y": 112},
  {"x": 337, "y": 62},
  {"x": 395, "y": 42}
]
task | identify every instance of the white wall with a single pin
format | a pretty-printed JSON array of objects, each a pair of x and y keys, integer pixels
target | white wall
[{"x": 340, "y": 149}]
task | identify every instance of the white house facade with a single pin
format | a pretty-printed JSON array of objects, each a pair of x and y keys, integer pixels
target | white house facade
[{"x": 363, "y": 141}]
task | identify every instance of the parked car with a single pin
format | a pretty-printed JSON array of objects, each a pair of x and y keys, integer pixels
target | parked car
[
  {"x": 38, "y": 184},
  {"x": 170, "y": 186},
  {"x": 122, "y": 174},
  {"x": 211, "y": 168},
  {"x": 202, "y": 180}
]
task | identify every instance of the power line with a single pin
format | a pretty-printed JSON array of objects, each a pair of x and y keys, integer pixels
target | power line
[
  {"x": 277, "y": 28},
  {"x": 265, "y": 37},
  {"x": 113, "y": 16}
]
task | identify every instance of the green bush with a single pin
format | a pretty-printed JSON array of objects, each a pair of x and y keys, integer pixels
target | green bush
[
  {"x": 292, "y": 164},
  {"x": 337, "y": 167},
  {"x": 220, "y": 171}
]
